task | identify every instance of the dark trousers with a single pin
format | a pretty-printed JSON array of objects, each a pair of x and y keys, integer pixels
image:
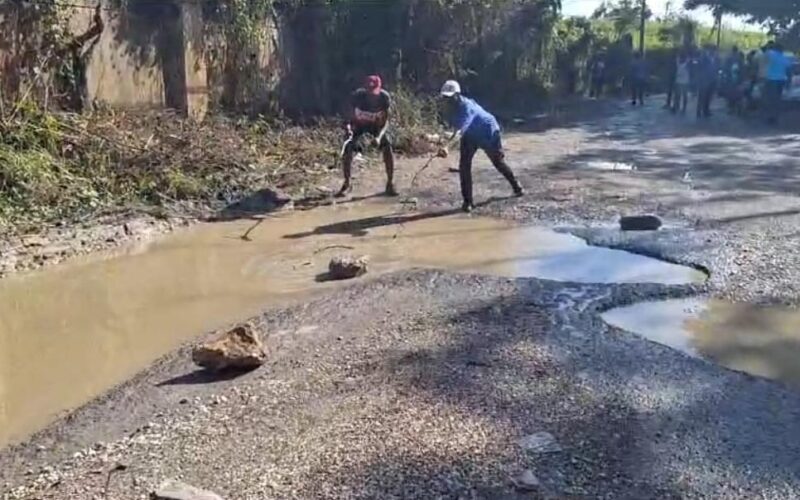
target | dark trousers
[
  {"x": 497, "y": 157},
  {"x": 596, "y": 89},
  {"x": 705, "y": 95},
  {"x": 637, "y": 91},
  {"x": 773, "y": 91},
  {"x": 670, "y": 94}
]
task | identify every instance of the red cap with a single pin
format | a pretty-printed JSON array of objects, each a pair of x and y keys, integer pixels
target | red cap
[{"x": 374, "y": 84}]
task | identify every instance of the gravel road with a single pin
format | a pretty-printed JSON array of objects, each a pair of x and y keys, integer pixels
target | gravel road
[{"x": 433, "y": 385}]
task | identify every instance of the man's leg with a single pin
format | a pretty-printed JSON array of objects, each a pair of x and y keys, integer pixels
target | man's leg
[
  {"x": 773, "y": 91},
  {"x": 676, "y": 99},
  {"x": 498, "y": 158},
  {"x": 347, "y": 163},
  {"x": 670, "y": 95},
  {"x": 465, "y": 173},
  {"x": 388, "y": 161},
  {"x": 347, "y": 170},
  {"x": 701, "y": 92}
]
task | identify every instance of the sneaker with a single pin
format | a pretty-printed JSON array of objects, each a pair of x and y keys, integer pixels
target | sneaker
[
  {"x": 519, "y": 191},
  {"x": 467, "y": 207},
  {"x": 390, "y": 190}
]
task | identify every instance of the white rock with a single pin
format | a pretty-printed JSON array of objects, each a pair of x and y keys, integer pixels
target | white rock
[
  {"x": 176, "y": 490},
  {"x": 540, "y": 442}
]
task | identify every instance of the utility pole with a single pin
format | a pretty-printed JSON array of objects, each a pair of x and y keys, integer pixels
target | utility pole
[{"x": 642, "y": 22}]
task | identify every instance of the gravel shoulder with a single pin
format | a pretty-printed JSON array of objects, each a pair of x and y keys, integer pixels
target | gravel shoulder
[{"x": 421, "y": 384}]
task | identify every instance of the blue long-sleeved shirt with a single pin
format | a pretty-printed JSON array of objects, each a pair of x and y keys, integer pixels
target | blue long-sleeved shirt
[
  {"x": 778, "y": 65},
  {"x": 475, "y": 123}
]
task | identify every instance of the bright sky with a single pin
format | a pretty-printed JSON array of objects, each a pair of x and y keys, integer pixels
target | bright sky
[{"x": 659, "y": 8}]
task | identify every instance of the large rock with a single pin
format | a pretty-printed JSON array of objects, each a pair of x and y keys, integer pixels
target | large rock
[
  {"x": 527, "y": 481},
  {"x": 640, "y": 223},
  {"x": 176, "y": 490},
  {"x": 347, "y": 267},
  {"x": 239, "y": 349}
]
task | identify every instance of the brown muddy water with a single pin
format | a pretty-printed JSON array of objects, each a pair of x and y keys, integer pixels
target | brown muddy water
[
  {"x": 763, "y": 341},
  {"x": 71, "y": 332}
]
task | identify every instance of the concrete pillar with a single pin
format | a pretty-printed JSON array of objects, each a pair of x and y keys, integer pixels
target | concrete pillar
[{"x": 195, "y": 72}]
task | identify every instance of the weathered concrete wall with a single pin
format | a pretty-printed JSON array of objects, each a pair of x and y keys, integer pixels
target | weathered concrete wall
[
  {"x": 155, "y": 55},
  {"x": 125, "y": 67},
  {"x": 254, "y": 89}
]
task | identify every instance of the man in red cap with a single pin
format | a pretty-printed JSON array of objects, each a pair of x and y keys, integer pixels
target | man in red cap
[{"x": 369, "y": 114}]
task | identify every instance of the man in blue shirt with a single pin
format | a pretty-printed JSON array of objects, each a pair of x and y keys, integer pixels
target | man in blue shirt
[
  {"x": 778, "y": 68},
  {"x": 476, "y": 129},
  {"x": 706, "y": 75}
]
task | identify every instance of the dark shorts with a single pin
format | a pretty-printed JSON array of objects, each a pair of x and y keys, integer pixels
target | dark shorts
[{"x": 360, "y": 131}]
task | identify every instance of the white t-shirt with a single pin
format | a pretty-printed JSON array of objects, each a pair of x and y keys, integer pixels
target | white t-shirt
[{"x": 683, "y": 77}]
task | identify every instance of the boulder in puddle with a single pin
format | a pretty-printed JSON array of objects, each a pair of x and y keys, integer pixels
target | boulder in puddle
[
  {"x": 640, "y": 223},
  {"x": 239, "y": 349},
  {"x": 347, "y": 267},
  {"x": 176, "y": 490}
]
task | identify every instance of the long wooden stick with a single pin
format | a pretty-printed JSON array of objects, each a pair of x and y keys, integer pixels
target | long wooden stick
[{"x": 424, "y": 167}]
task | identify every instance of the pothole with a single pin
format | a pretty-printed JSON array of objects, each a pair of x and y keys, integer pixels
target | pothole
[
  {"x": 762, "y": 341},
  {"x": 73, "y": 331}
]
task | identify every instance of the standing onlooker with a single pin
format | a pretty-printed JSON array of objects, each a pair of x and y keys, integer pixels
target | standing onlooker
[
  {"x": 706, "y": 75},
  {"x": 671, "y": 78},
  {"x": 638, "y": 79},
  {"x": 751, "y": 78},
  {"x": 732, "y": 74},
  {"x": 777, "y": 75},
  {"x": 598, "y": 76},
  {"x": 682, "y": 84}
]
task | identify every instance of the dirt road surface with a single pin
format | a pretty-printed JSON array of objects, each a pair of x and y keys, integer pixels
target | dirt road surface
[{"x": 425, "y": 384}]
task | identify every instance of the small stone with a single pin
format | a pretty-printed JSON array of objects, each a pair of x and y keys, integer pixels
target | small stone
[
  {"x": 35, "y": 241},
  {"x": 540, "y": 442},
  {"x": 176, "y": 490},
  {"x": 347, "y": 267},
  {"x": 239, "y": 349},
  {"x": 640, "y": 223},
  {"x": 138, "y": 227},
  {"x": 527, "y": 481},
  {"x": 53, "y": 251}
]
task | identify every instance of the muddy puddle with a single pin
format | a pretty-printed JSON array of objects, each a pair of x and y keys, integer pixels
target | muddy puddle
[
  {"x": 763, "y": 341},
  {"x": 71, "y": 332}
]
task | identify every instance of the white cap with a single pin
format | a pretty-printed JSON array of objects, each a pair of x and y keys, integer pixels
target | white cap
[{"x": 450, "y": 88}]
